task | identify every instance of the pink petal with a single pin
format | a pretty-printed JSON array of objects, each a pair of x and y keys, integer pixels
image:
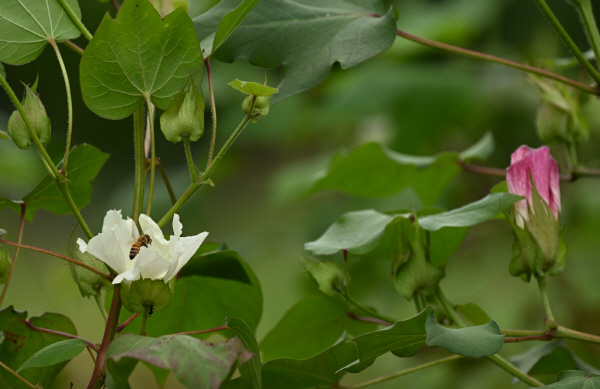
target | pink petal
[{"x": 521, "y": 153}]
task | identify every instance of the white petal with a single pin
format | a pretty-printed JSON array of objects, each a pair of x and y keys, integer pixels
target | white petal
[
  {"x": 112, "y": 219},
  {"x": 190, "y": 245},
  {"x": 152, "y": 265},
  {"x": 129, "y": 275},
  {"x": 82, "y": 245},
  {"x": 127, "y": 233},
  {"x": 105, "y": 247},
  {"x": 177, "y": 227},
  {"x": 159, "y": 243}
]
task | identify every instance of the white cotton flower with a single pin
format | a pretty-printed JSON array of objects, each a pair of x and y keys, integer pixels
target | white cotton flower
[{"x": 160, "y": 260}]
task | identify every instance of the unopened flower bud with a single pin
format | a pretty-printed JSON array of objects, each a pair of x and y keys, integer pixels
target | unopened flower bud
[
  {"x": 260, "y": 109},
  {"x": 538, "y": 248},
  {"x": 328, "y": 276},
  {"x": 90, "y": 283},
  {"x": 4, "y": 264},
  {"x": 37, "y": 117},
  {"x": 147, "y": 293},
  {"x": 185, "y": 116}
]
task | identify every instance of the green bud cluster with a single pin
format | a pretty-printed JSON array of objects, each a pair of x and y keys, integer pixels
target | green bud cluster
[
  {"x": 90, "y": 283},
  {"x": 260, "y": 109},
  {"x": 37, "y": 117},
  {"x": 328, "y": 276},
  {"x": 143, "y": 293},
  {"x": 185, "y": 116}
]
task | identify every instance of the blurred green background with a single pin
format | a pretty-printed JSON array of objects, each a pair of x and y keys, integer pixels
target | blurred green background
[{"x": 412, "y": 99}]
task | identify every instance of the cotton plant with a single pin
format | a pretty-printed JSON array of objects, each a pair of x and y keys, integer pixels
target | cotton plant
[{"x": 155, "y": 265}]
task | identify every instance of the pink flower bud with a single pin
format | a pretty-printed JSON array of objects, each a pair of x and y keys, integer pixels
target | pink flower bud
[{"x": 527, "y": 165}]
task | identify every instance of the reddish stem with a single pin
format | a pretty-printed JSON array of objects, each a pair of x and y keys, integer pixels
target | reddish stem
[
  {"x": 121, "y": 327},
  {"x": 220, "y": 328},
  {"x": 354, "y": 316},
  {"x": 14, "y": 259},
  {"x": 58, "y": 333},
  {"x": 115, "y": 4}
]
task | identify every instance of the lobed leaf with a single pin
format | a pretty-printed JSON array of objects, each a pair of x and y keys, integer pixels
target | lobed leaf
[
  {"x": 26, "y": 26},
  {"x": 305, "y": 38},
  {"x": 55, "y": 353},
  {"x": 476, "y": 342},
  {"x": 139, "y": 56}
]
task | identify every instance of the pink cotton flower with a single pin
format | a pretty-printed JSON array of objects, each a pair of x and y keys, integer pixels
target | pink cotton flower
[{"x": 527, "y": 164}]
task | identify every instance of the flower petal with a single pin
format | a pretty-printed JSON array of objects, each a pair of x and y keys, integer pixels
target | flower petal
[
  {"x": 129, "y": 275},
  {"x": 104, "y": 247},
  {"x": 177, "y": 227},
  {"x": 521, "y": 153},
  {"x": 152, "y": 265},
  {"x": 159, "y": 243},
  {"x": 82, "y": 245},
  {"x": 519, "y": 183},
  {"x": 190, "y": 245}
]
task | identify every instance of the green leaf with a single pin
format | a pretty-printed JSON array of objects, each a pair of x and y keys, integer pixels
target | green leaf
[
  {"x": 55, "y": 353},
  {"x": 575, "y": 379},
  {"x": 224, "y": 264},
  {"x": 3, "y": 134},
  {"x": 195, "y": 363},
  {"x": 124, "y": 64},
  {"x": 253, "y": 88},
  {"x": 322, "y": 370},
  {"x": 20, "y": 343},
  {"x": 26, "y": 26},
  {"x": 372, "y": 170},
  {"x": 303, "y": 38},
  {"x": 2, "y": 71},
  {"x": 218, "y": 298},
  {"x": 404, "y": 339},
  {"x": 228, "y": 24},
  {"x": 251, "y": 371},
  {"x": 471, "y": 214},
  {"x": 85, "y": 162},
  {"x": 476, "y": 342},
  {"x": 358, "y": 232},
  {"x": 473, "y": 314},
  {"x": 480, "y": 150},
  {"x": 312, "y": 325}
]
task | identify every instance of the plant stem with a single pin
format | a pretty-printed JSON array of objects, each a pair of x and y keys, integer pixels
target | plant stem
[
  {"x": 213, "y": 111},
  {"x": 76, "y": 262},
  {"x": 220, "y": 328},
  {"x": 152, "y": 156},
  {"x": 11, "y": 371},
  {"x": 121, "y": 327},
  {"x": 165, "y": 179},
  {"x": 14, "y": 259},
  {"x": 402, "y": 372},
  {"x": 109, "y": 335},
  {"x": 551, "y": 322},
  {"x": 69, "y": 107},
  {"x": 76, "y": 20},
  {"x": 491, "y": 171},
  {"x": 564, "y": 332},
  {"x": 58, "y": 333},
  {"x": 567, "y": 39},
  {"x": 115, "y": 4},
  {"x": 139, "y": 182},
  {"x": 195, "y": 185},
  {"x": 61, "y": 181},
  {"x": 354, "y": 316},
  {"x": 145, "y": 320},
  {"x": 518, "y": 333},
  {"x": 449, "y": 307},
  {"x": 73, "y": 47},
  {"x": 589, "y": 22},
  {"x": 99, "y": 297},
  {"x": 190, "y": 160},
  {"x": 502, "y": 61},
  {"x": 356, "y": 304}
]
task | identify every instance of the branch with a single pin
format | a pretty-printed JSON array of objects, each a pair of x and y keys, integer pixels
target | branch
[{"x": 58, "y": 333}]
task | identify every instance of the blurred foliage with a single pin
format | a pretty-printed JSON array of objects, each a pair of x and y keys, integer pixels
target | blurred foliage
[{"x": 412, "y": 99}]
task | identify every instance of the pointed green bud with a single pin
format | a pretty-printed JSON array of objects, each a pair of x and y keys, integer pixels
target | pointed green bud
[
  {"x": 328, "y": 276},
  {"x": 260, "y": 109},
  {"x": 144, "y": 292},
  {"x": 90, "y": 283},
  {"x": 185, "y": 116},
  {"x": 37, "y": 116},
  {"x": 4, "y": 264}
]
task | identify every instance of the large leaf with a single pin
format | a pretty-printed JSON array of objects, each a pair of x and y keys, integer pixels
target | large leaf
[
  {"x": 312, "y": 325},
  {"x": 404, "y": 339},
  {"x": 55, "y": 353},
  {"x": 224, "y": 264},
  {"x": 138, "y": 55},
  {"x": 195, "y": 363},
  {"x": 476, "y": 342},
  {"x": 322, "y": 370},
  {"x": 303, "y": 37},
  {"x": 205, "y": 302},
  {"x": 85, "y": 162},
  {"x": 575, "y": 379},
  {"x": 250, "y": 371},
  {"x": 372, "y": 170},
  {"x": 27, "y": 25},
  {"x": 20, "y": 343},
  {"x": 226, "y": 26}
]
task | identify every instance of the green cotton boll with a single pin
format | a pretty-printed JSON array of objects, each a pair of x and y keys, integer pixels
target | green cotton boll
[
  {"x": 185, "y": 116},
  {"x": 4, "y": 265},
  {"x": 328, "y": 276},
  {"x": 37, "y": 117},
  {"x": 142, "y": 293},
  {"x": 260, "y": 110},
  {"x": 90, "y": 283}
]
